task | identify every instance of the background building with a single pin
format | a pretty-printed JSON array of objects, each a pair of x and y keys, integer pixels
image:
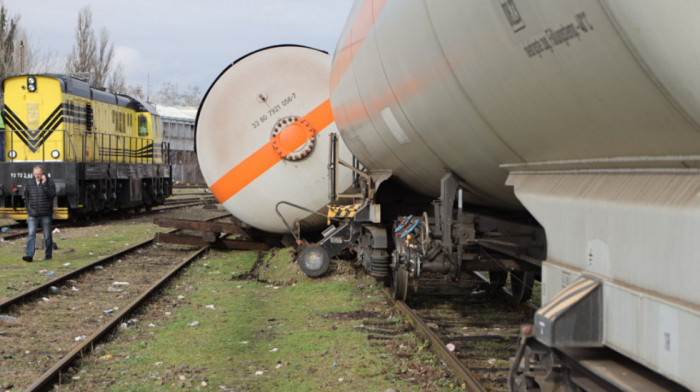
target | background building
[{"x": 178, "y": 130}]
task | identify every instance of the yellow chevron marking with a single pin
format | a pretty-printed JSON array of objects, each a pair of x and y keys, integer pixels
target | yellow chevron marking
[{"x": 346, "y": 211}]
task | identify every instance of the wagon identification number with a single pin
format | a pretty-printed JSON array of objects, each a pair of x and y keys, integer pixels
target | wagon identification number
[
  {"x": 274, "y": 109},
  {"x": 555, "y": 37}
]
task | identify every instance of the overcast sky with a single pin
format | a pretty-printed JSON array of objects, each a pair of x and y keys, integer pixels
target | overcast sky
[{"x": 184, "y": 41}]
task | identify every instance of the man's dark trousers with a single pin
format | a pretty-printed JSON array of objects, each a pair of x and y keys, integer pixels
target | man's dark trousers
[{"x": 33, "y": 222}]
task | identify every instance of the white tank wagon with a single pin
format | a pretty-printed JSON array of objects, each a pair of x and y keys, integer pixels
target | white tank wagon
[
  {"x": 591, "y": 110},
  {"x": 262, "y": 137}
]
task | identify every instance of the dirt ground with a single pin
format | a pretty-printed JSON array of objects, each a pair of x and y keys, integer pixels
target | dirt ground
[{"x": 234, "y": 321}]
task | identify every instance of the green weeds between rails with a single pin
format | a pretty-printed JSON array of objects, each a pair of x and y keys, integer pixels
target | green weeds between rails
[{"x": 276, "y": 332}]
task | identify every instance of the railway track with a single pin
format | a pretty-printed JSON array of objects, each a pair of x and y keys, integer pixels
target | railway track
[
  {"x": 58, "y": 321},
  {"x": 171, "y": 204},
  {"x": 473, "y": 329}
]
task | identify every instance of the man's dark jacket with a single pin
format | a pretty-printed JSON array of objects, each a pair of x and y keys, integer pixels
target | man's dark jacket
[{"x": 39, "y": 198}]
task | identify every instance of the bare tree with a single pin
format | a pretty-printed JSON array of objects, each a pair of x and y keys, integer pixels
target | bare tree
[
  {"x": 8, "y": 31},
  {"x": 103, "y": 60},
  {"x": 19, "y": 53},
  {"x": 92, "y": 59},
  {"x": 135, "y": 91},
  {"x": 46, "y": 62},
  {"x": 116, "y": 79},
  {"x": 170, "y": 95},
  {"x": 82, "y": 59}
]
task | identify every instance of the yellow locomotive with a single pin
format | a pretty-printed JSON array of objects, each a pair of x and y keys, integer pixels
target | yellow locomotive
[{"x": 103, "y": 150}]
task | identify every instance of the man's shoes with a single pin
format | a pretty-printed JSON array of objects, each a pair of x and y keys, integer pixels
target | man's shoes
[
  {"x": 28, "y": 259},
  {"x": 47, "y": 258}
]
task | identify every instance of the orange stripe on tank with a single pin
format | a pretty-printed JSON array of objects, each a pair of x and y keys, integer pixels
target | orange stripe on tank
[
  {"x": 369, "y": 10},
  {"x": 291, "y": 138}
]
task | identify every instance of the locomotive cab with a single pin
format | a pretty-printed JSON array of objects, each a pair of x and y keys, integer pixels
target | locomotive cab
[
  {"x": 34, "y": 132},
  {"x": 33, "y": 110}
]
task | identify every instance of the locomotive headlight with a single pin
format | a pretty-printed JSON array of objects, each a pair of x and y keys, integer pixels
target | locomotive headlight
[
  {"x": 31, "y": 84},
  {"x": 12, "y": 154},
  {"x": 55, "y": 154}
]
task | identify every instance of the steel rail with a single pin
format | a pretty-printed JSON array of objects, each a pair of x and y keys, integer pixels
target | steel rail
[
  {"x": 439, "y": 346},
  {"x": 12, "y": 236},
  {"x": 470, "y": 382},
  {"x": 46, "y": 380},
  {"x": 188, "y": 200},
  {"x": 158, "y": 208},
  {"x": 103, "y": 260},
  {"x": 56, "y": 281},
  {"x": 175, "y": 206}
]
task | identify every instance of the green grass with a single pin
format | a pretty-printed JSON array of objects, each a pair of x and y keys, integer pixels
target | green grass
[
  {"x": 282, "y": 331},
  {"x": 77, "y": 246}
]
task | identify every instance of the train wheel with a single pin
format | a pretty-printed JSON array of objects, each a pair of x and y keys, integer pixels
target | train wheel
[
  {"x": 521, "y": 283},
  {"x": 314, "y": 261},
  {"x": 399, "y": 286},
  {"x": 497, "y": 279}
]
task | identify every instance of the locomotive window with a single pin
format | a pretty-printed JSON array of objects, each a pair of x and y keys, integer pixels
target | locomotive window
[
  {"x": 156, "y": 128},
  {"x": 143, "y": 125}
]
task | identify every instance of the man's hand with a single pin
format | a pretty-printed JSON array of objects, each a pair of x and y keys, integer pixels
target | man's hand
[{"x": 43, "y": 178}]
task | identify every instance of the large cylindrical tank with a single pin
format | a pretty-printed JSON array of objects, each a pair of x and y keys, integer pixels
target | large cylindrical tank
[
  {"x": 262, "y": 136},
  {"x": 421, "y": 87}
]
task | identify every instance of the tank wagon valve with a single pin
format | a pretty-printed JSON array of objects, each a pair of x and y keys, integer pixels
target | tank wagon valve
[{"x": 297, "y": 132}]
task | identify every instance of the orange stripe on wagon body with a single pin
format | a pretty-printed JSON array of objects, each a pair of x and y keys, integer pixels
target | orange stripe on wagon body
[
  {"x": 290, "y": 139},
  {"x": 361, "y": 26},
  {"x": 297, "y": 133}
]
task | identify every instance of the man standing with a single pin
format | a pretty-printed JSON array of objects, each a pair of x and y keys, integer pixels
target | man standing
[{"x": 38, "y": 198}]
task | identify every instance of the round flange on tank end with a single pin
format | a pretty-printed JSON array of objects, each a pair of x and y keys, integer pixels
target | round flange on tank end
[
  {"x": 293, "y": 139},
  {"x": 314, "y": 261}
]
